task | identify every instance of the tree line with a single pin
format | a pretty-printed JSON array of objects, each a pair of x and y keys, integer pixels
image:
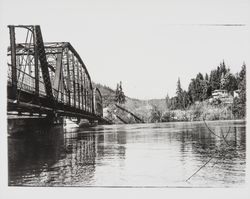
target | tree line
[{"x": 201, "y": 87}]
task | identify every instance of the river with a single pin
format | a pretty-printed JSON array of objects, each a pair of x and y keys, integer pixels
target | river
[{"x": 138, "y": 155}]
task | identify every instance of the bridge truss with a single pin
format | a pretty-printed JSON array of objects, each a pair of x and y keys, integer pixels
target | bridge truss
[{"x": 49, "y": 78}]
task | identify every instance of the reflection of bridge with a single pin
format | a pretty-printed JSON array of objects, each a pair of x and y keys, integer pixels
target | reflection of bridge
[{"x": 49, "y": 78}]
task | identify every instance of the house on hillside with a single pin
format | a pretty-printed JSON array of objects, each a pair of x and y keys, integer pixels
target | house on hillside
[
  {"x": 217, "y": 94},
  {"x": 223, "y": 95}
]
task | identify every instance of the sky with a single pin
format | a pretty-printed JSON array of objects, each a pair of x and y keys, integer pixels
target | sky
[{"x": 147, "y": 45}]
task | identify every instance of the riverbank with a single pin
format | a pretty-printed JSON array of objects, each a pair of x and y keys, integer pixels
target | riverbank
[
  {"x": 200, "y": 111},
  {"x": 152, "y": 113}
]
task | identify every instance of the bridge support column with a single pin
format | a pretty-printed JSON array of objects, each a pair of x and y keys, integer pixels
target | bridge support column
[
  {"x": 36, "y": 69},
  {"x": 13, "y": 62}
]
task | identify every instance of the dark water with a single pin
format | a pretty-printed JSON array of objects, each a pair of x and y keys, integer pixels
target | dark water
[{"x": 164, "y": 154}]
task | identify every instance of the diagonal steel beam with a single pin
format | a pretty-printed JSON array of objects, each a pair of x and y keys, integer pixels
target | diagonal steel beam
[
  {"x": 43, "y": 62},
  {"x": 58, "y": 73}
]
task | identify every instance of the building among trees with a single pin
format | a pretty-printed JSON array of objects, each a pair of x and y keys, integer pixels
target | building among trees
[{"x": 221, "y": 86}]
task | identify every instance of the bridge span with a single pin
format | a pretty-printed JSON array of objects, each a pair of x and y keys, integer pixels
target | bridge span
[{"x": 49, "y": 78}]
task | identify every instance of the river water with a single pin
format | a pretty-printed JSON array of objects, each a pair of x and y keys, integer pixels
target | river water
[{"x": 138, "y": 155}]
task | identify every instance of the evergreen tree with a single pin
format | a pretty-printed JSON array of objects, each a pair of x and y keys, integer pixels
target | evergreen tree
[
  {"x": 206, "y": 77},
  {"x": 119, "y": 94},
  {"x": 192, "y": 91},
  {"x": 222, "y": 69},
  {"x": 242, "y": 86},
  {"x": 239, "y": 104},
  {"x": 179, "y": 95},
  {"x": 185, "y": 99},
  {"x": 173, "y": 103},
  {"x": 222, "y": 82},
  {"x": 182, "y": 99},
  {"x": 167, "y": 101},
  {"x": 228, "y": 82},
  {"x": 214, "y": 80},
  {"x": 216, "y": 76},
  {"x": 199, "y": 87},
  {"x": 205, "y": 93}
]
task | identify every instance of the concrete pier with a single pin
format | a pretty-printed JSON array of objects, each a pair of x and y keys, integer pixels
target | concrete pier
[{"x": 21, "y": 124}]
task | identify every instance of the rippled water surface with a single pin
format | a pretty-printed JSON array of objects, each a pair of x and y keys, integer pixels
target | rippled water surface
[{"x": 165, "y": 154}]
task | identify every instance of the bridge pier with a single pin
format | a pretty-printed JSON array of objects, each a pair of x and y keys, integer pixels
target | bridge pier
[{"x": 26, "y": 124}]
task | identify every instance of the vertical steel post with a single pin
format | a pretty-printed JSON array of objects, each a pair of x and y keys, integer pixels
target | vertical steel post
[
  {"x": 78, "y": 87},
  {"x": 82, "y": 88},
  {"x": 87, "y": 100},
  {"x": 74, "y": 85},
  {"x": 62, "y": 86},
  {"x": 68, "y": 78},
  {"x": 36, "y": 65},
  {"x": 58, "y": 74},
  {"x": 82, "y": 97},
  {"x": 13, "y": 62},
  {"x": 94, "y": 100},
  {"x": 85, "y": 92}
]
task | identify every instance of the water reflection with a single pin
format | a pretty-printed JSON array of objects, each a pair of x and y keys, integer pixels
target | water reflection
[
  {"x": 130, "y": 155},
  {"x": 33, "y": 153}
]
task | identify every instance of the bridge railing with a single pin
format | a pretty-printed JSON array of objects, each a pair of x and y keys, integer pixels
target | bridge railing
[{"x": 26, "y": 82}]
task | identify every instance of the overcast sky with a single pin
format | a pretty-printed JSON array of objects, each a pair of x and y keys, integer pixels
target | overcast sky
[{"x": 145, "y": 44}]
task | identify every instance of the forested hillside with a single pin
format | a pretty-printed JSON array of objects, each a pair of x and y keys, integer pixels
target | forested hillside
[{"x": 194, "y": 104}]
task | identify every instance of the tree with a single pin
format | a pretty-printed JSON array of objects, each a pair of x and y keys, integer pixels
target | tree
[
  {"x": 156, "y": 114},
  {"x": 182, "y": 99},
  {"x": 206, "y": 77},
  {"x": 192, "y": 91},
  {"x": 205, "y": 92},
  {"x": 198, "y": 88},
  {"x": 173, "y": 103},
  {"x": 179, "y": 94},
  {"x": 178, "y": 89},
  {"x": 185, "y": 99},
  {"x": 239, "y": 104},
  {"x": 222, "y": 82},
  {"x": 119, "y": 94},
  {"x": 216, "y": 76},
  {"x": 228, "y": 82},
  {"x": 167, "y": 101},
  {"x": 222, "y": 69},
  {"x": 242, "y": 86},
  {"x": 214, "y": 80}
]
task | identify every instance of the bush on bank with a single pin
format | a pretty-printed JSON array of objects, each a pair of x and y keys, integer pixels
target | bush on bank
[{"x": 197, "y": 112}]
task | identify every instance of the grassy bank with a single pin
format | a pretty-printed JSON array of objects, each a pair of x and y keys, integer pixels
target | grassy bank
[{"x": 197, "y": 112}]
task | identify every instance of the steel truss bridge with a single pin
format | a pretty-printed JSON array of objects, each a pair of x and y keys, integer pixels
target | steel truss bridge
[{"x": 49, "y": 78}]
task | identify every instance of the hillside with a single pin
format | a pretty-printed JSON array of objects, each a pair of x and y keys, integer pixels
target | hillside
[{"x": 141, "y": 108}]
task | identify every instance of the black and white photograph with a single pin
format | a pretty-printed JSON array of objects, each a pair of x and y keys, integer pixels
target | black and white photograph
[{"x": 124, "y": 95}]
